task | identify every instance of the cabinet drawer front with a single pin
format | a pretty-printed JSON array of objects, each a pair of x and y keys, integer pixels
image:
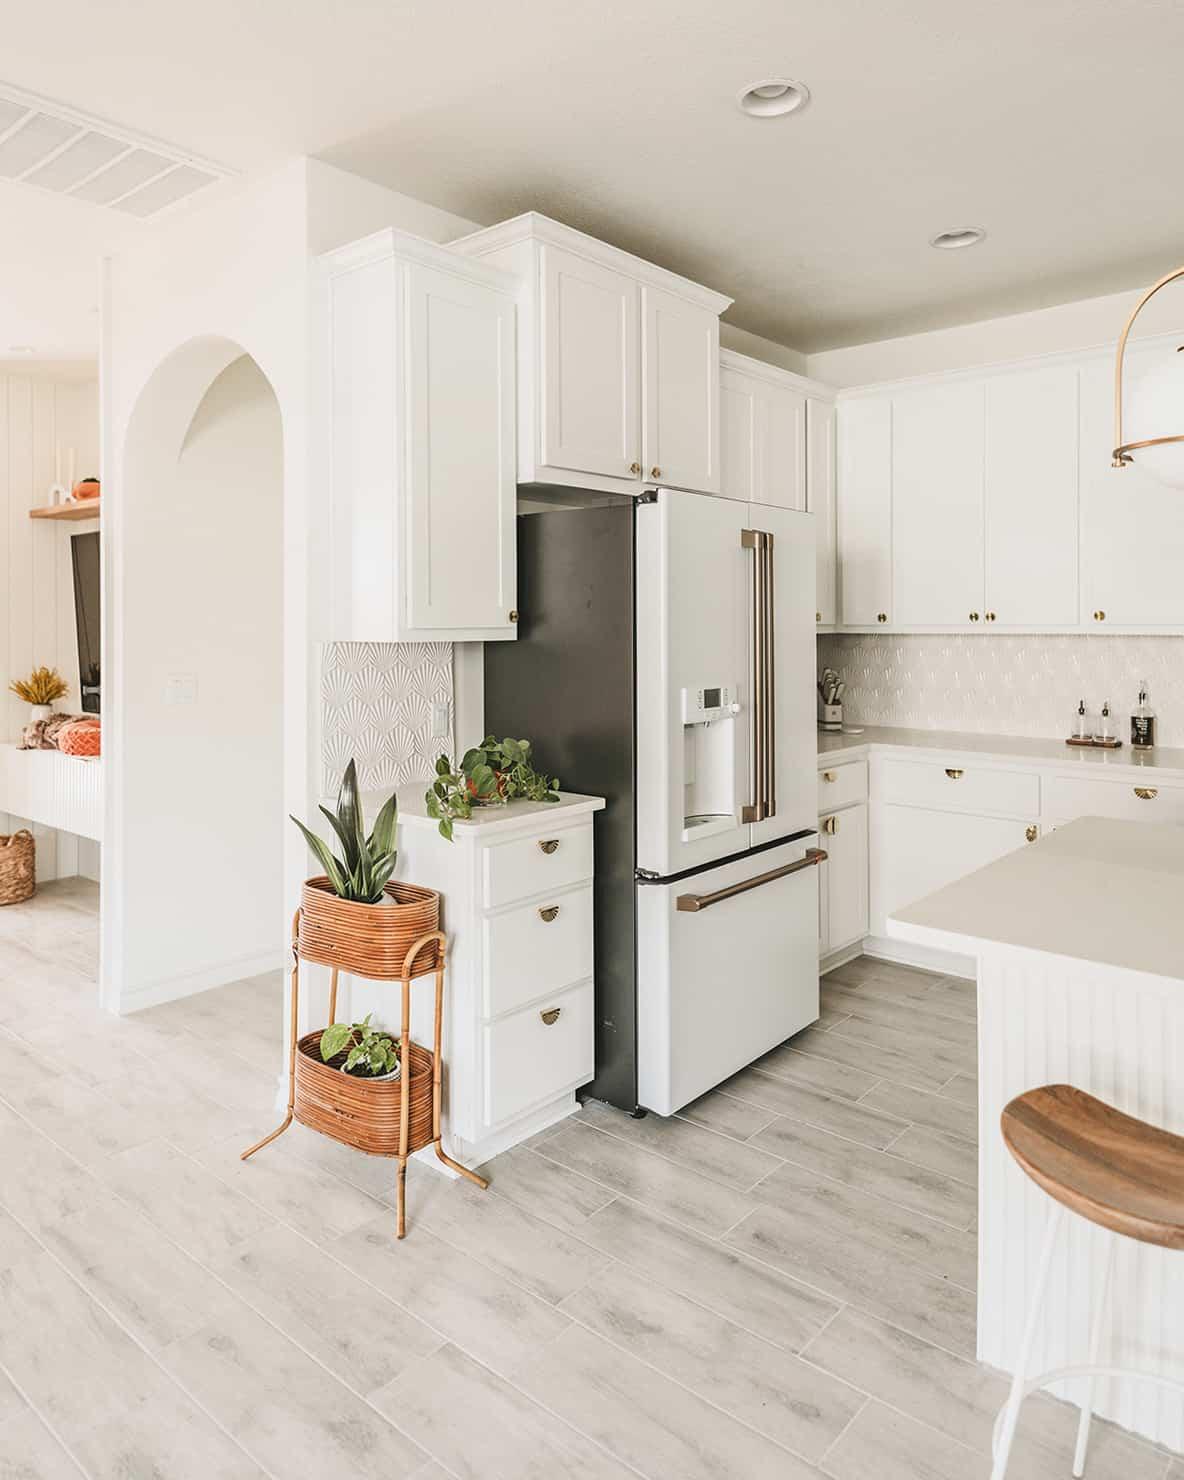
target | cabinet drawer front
[
  {"x": 539, "y": 947},
  {"x": 537, "y": 865},
  {"x": 1142, "y": 800},
  {"x": 529, "y": 1060},
  {"x": 840, "y": 785},
  {"x": 961, "y": 788}
]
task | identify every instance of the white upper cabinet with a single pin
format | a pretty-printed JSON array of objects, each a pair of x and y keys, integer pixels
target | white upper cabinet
[
  {"x": 937, "y": 506},
  {"x": 865, "y": 511},
  {"x": 1132, "y": 528},
  {"x": 762, "y": 432},
  {"x": 1031, "y": 498},
  {"x": 618, "y": 362},
  {"x": 419, "y": 442},
  {"x": 820, "y": 493}
]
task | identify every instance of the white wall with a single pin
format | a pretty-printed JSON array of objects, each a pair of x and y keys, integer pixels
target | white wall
[{"x": 41, "y": 408}]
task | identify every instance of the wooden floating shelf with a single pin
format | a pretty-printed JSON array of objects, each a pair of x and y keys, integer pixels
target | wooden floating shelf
[{"x": 88, "y": 509}]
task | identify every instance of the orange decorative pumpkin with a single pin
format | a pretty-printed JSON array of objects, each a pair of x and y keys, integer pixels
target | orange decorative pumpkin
[
  {"x": 84, "y": 489},
  {"x": 83, "y": 737}
]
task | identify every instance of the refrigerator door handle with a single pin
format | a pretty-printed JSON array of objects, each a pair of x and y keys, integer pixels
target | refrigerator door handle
[
  {"x": 692, "y": 903},
  {"x": 754, "y": 540},
  {"x": 770, "y": 700}
]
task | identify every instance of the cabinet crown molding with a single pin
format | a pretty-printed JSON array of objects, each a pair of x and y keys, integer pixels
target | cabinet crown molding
[
  {"x": 390, "y": 244},
  {"x": 533, "y": 227},
  {"x": 731, "y": 359}
]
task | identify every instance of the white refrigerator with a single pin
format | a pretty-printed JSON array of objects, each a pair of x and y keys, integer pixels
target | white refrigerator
[{"x": 665, "y": 660}]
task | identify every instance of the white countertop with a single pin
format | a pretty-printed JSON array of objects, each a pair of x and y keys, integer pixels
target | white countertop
[
  {"x": 1095, "y": 890},
  {"x": 1121, "y": 763},
  {"x": 413, "y": 810}
]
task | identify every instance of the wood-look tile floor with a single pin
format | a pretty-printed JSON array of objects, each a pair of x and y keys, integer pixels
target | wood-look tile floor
[{"x": 779, "y": 1282}]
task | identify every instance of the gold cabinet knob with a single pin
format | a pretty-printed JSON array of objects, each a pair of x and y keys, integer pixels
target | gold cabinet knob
[
  {"x": 1146, "y": 793},
  {"x": 635, "y": 469},
  {"x": 513, "y": 614},
  {"x": 990, "y": 616},
  {"x": 881, "y": 616},
  {"x": 1031, "y": 832},
  {"x": 655, "y": 472},
  {"x": 974, "y": 616},
  {"x": 818, "y": 616},
  {"x": 549, "y": 912},
  {"x": 830, "y": 826},
  {"x": 1099, "y": 616},
  {"x": 830, "y": 776},
  {"x": 548, "y": 845},
  {"x": 551, "y": 1015},
  {"x": 953, "y": 774}
]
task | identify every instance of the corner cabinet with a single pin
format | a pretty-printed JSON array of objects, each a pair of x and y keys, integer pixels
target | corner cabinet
[
  {"x": 419, "y": 442},
  {"x": 618, "y": 362}
]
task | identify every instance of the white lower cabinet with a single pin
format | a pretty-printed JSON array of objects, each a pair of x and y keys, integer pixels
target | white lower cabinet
[{"x": 843, "y": 882}]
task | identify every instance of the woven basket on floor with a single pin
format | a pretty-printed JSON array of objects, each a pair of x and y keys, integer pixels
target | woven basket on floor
[
  {"x": 361, "y": 1112},
  {"x": 369, "y": 940},
  {"x": 18, "y": 870}
]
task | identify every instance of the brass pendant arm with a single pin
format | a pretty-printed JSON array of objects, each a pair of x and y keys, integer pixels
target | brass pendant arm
[{"x": 1122, "y": 450}]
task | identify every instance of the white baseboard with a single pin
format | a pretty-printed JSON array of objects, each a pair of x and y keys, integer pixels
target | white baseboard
[
  {"x": 187, "y": 983},
  {"x": 923, "y": 957},
  {"x": 839, "y": 958}
]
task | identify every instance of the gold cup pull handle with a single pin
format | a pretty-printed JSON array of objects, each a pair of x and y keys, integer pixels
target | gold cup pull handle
[
  {"x": 952, "y": 773},
  {"x": 830, "y": 826},
  {"x": 1146, "y": 793},
  {"x": 1031, "y": 832},
  {"x": 549, "y": 912},
  {"x": 829, "y": 776},
  {"x": 551, "y": 1015},
  {"x": 548, "y": 845}
]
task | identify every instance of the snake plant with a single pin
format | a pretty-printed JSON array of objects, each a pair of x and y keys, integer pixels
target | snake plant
[{"x": 368, "y": 861}]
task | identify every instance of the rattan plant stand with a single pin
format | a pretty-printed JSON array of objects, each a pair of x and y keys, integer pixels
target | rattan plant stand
[{"x": 382, "y": 1117}]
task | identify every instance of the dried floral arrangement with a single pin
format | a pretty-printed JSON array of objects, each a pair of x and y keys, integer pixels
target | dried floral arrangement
[{"x": 42, "y": 686}]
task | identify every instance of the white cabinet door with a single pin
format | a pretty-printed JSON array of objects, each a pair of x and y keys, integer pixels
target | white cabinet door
[
  {"x": 820, "y": 500},
  {"x": 762, "y": 440},
  {"x": 1132, "y": 528},
  {"x": 590, "y": 417},
  {"x": 865, "y": 511},
  {"x": 843, "y": 837},
  {"x": 1031, "y": 499},
  {"x": 680, "y": 380},
  {"x": 915, "y": 852},
  {"x": 739, "y": 412},
  {"x": 782, "y": 475},
  {"x": 461, "y": 491},
  {"x": 937, "y": 506}
]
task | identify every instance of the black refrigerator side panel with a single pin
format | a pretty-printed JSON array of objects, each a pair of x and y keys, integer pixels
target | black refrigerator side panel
[{"x": 566, "y": 684}]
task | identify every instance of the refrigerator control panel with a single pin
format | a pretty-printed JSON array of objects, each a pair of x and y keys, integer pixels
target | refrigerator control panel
[{"x": 701, "y": 706}]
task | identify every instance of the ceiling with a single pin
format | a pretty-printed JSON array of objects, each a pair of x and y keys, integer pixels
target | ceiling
[{"x": 1055, "y": 126}]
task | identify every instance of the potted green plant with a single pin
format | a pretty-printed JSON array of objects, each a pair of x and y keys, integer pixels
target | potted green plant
[
  {"x": 364, "y": 1051},
  {"x": 491, "y": 774},
  {"x": 354, "y": 916}
]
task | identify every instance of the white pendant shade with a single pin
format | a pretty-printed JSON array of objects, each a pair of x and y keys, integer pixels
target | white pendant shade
[{"x": 1154, "y": 407}]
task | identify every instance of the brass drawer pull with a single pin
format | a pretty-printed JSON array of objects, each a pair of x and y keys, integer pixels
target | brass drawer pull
[
  {"x": 1031, "y": 832},
  {"x": 551, "y": 1015},
  {"x": 1146, "y": 793},
  {"x": 548, "y": 845},
  {"x": 830, "y": 826},
  {"x": 881, "y": 616},
  {"x": 829, "y": 776},
  {"x": 952, "y": 774},
  {"x": 549, "y": 913}
]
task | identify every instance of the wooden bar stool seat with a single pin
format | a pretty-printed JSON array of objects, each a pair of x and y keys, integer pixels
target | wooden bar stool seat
[
  {"x": 1108, "y": 1167},
  {"x": 1114, "y": 1170}
]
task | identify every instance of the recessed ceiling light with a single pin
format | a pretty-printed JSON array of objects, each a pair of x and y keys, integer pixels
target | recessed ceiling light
[
  {"x": 773, "y": 97},
  {"x": 961, "y": 236}
]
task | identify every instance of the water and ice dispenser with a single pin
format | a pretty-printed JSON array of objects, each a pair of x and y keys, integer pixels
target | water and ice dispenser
[{"x": 709, "y": 760}]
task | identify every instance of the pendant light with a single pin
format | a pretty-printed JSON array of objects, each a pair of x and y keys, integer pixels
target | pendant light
[{"x": 1155, "y": 405}]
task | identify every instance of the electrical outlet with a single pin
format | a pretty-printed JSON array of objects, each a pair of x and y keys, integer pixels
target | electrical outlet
[
  {"x": 181, "y": 688},
  {"x": 440, "y": 727}
]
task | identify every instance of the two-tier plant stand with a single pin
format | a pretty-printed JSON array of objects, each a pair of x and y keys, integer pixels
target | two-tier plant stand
[{"x": 384, "y": 1117}]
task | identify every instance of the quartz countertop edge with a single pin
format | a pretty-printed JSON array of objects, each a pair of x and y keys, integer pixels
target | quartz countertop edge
[
  {"x": 1011, "y": 749},
  {"x": 413, "y": 810},
  {"x": 1097, "y": 890}
]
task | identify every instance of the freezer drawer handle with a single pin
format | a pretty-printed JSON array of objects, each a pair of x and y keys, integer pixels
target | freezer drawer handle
[
  {"x": 695, "y": 902},
  {"x": 764, "y": 706},
  {"x": 548, "y": 845}
]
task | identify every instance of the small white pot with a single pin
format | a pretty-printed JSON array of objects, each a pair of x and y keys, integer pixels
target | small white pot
[{"x": 40, "y": 711}]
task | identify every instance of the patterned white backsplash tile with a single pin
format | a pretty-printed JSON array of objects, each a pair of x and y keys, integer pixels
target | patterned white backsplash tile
[
  {"x": 376, "y": 706},
  {"x": 1000, "y": 685}
]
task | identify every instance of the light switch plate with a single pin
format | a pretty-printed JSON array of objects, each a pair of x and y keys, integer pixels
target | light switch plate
[{"x": 440, "y": 719}]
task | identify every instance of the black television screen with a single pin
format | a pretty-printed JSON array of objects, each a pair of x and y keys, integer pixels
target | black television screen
[{"x": 85, "y": 550}]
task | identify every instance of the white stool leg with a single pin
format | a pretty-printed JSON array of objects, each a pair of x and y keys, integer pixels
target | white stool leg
[
  {"x": 1095, "y": 1346},
  {"x": 1012, "y": 1412}
]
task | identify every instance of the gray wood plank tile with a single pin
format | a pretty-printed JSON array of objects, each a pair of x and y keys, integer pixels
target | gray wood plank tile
[
  {"x": 963, "y": 1088},
  {"x": 903, "y": 1182},
  {"x": 863, "y": 1273},
  {"x": 759, "y": 1384},
  {"x": 287, "y": 1412},
  {"x": 760, "y": 1299},
  {"x": 869, "y": 1127},
  {"x": 16, "y": 1245},
  {"x": 28, "y": 1451},
  {"x": 873, "y": 1059},
  {"x": 40, "y": 1184},
  {"x": 672, "y": 1190},
  {"x": 646, "y": 1420},
  {"x": 920, "y": 1015},
  {"x": 505, "y": 1435},
  {"x": 886, "y": 1444},
  {"x": 507, "y": 1238},
  {"x": 553, "y": 1192},
  {"x": 935, "y": 1112},
  {"x": 358, "y": 1333},
  {"x": 912, "y": 1040},
  {"x": 689, "y": 1145},
  {"x": 169, "y": 1437},
  {"x": 786, "y": 1061},
  {"x": 729, "y": 1117},
  {"x": 484, "y": 1313},
  {"x": 946, "y": 1155},
  {"x": 84, "y": 1122},
  {"x": 955, "y": 996}
]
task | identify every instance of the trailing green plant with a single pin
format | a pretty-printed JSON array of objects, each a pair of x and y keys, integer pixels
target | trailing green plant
[
  {"x": 368, "y": 861},
  {"x": 371, "y": 1052},
  {"x": 492, "y": 773}
]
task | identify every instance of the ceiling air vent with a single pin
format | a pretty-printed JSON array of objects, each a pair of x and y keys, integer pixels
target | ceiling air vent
[{"x": 59, "y": 149}]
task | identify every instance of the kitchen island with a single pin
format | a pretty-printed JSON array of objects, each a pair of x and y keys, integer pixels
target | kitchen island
[{"x": 1079, "y": 945}]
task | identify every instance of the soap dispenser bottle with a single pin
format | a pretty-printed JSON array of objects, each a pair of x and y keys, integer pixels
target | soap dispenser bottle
[
  {"x": 1081, "y": 725},
  {"x": 1143, "y": 721},
  {"x": 1104, "y": 733}
]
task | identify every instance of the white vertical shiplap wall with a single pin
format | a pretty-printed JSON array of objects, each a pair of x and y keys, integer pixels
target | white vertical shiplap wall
[{"x": 41, "y": 410}]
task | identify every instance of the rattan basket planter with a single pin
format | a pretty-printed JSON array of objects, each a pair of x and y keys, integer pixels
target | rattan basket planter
[
  {"x": 368, "y": 940},
  {"x": 361, "y": 1112},
  {"x": 18, "y": 867}
]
